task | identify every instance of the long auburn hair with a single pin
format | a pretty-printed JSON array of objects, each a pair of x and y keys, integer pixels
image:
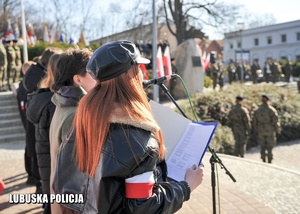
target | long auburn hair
[{"x": 95, "y": 110}]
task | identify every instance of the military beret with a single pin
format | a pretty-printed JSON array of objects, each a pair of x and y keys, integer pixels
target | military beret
[
  {"x": 114, "y": 58},
  {"x": 265, "y": 96},
  {"x": 239, "y": 98}
]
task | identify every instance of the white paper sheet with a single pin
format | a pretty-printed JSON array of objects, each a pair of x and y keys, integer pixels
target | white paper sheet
[
  {"x": 186, "y": 142},
  {"x": 190, "y": 149}
]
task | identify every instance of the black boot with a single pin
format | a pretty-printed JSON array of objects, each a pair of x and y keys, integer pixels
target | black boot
[
  {"x": 269, "y": 160},
  {"x": 39, "y": 189},
  {"x": 31, "y": 181}
]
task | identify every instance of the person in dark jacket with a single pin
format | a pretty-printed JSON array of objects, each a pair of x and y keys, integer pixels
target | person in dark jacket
[
  {"x": 255, "y": 69},
  {"x": 40, "y": 111},
  {"x": 31, "y": 79},
  {"x": 287, "y": 70},
  {"x": 22, "y": 100},
  {"x": 118, "y": 144}
]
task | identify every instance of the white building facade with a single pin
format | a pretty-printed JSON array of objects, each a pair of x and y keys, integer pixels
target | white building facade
[{"x": 277, "y": 41}]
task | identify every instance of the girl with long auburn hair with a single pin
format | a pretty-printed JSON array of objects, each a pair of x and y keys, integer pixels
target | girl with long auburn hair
[
  {"x": 121, "y": 97},
  {"x": 119, "y": 150}
]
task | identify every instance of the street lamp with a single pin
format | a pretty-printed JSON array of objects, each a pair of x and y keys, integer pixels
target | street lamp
[{"x": 242, "y": 69}]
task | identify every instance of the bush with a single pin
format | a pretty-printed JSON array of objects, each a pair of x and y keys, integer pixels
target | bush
[
  {"x": 38, "y": 49},
  {"x": 296, "y": 69},
  {"x": 216, "y": 105},
  {"x": 207, "y": 82}
]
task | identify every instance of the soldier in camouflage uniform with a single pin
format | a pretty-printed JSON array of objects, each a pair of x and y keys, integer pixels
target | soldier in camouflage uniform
[
  {"x": 11, "y": 62},
  {"x": 214, "y": 73},
  {"x": 266, "y": 124},
  {"x": 18, "y": 61},
  {"x": 3, "y": 65},
  {"x": 239, "y": 122}
]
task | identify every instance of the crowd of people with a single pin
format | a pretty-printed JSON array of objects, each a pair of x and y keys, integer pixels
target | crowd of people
[
  {"x": 90, "y": 131},
  {"x": 272, "y": 71}
]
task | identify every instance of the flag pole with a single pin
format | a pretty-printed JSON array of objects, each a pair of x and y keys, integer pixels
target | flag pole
[
  {"x": 154, "y": 52},
  {"x": 24, "y": 33}
]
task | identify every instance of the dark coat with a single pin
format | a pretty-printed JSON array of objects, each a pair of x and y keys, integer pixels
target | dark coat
[
  {"x": 127, "y": 152},
  {"x": 40, "y": 111},
  {"x": 22, "y": 99}
]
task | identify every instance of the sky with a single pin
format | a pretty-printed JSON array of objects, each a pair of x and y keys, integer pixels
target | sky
[{"x": 283, "y": 11}]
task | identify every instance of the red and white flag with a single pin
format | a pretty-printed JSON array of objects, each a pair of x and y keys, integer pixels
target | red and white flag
[
  {"x": 206, "y": 61},
  {"x": 9, "y": 36},
  {"x": 140, "y": 186},
  {"x": 159, "y": 63},
  {"x": 167, "y": 61},
  {"x": 46, "y": 34},
  {"x": 145, "y": 71}
]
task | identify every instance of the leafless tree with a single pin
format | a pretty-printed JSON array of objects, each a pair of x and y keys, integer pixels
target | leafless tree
[
  {"x": 183, "y": 13},
  {"x": 8, "y": 11}
]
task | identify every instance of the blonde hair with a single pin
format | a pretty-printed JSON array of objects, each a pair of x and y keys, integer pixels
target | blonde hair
[{"x": 48, "y": 80}]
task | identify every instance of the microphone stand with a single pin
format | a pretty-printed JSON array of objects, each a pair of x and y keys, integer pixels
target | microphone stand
[{"x": 214, "y": 157}]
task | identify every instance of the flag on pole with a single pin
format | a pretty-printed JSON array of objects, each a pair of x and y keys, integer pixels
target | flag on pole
[
  {"x": 145, "y": 71},
  {"x": 61, "y": 38},
  {"x": 167, "y": 61},
  {"x": 46, "y": 34},
  {"x": 53, "y": 36},
  {"x": 71, "y": 41},
  {"x": 17, "y": 31},
  {"x": 82, "y": 38},
  {"x": 159, "y": 63},
  {"x": 31, "y": 35},
  {"x": 206, "y": 61},
  {"x": 9, "y": 36}
]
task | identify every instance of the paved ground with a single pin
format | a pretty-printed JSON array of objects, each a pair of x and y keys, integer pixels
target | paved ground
[{"x": 259, "y": 187}]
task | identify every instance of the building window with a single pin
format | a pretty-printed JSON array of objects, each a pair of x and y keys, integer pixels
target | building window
[
  {"x": 298, "y": 36},
  {"x": 231, "y": 46},
  {"x": 269, "y": 40},
  {"x": 283, "y": 57},
  {"x": 239, "y": 44},
  {"x": 283, "y": 38},
  {"x": 256, "y": 42}
]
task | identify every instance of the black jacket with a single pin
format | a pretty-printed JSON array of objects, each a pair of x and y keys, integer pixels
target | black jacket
[
  {"x": 40, "y": 110},
  {"x": 128, "y": 151},
  {"x": 22, "y": 99}
]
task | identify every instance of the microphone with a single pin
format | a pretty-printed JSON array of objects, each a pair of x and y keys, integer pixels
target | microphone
[{"x": 156, "y": 81}]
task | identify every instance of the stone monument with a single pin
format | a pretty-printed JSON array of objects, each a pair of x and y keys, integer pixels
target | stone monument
[{"x": 189, "y": 63}]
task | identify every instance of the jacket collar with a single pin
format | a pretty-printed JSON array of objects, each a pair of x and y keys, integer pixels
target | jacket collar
[
  {"x": 67, "y": 96},
  {"x": 120, "y": 116}
]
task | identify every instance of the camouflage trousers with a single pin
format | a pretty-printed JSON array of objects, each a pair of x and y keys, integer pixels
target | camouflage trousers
[
  {"x": 2, "y": 76},
  {"x": 266, "y": 142},
  {"x": 12, "y": 75},
  {"x": 240, "y": 143}
]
